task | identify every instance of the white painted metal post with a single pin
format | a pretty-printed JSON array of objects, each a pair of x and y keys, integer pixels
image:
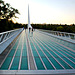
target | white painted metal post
[
  {"x": 64, "y": 35},
  {"x": 1, "y": 37},
  {"x": 58, "y": 33},
  {"x": 61, "y": 34},
  {"x": 74, "y": 36},
  {"x": 69, "y": 35}
]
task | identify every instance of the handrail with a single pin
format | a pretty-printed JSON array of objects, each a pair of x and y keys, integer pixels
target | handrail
[
  {"x": 9, "y": 31},
  {"x": 7, "y": 34},
  {"x": 7, "y": 37},
  {"x": 62, "y": 34}
]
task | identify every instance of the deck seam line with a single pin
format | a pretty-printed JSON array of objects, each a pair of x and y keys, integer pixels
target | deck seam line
[
  {"x": 32, "y": 55},
  {"x": 62, "y": 46},
  {"x": 38, "y": 54},
  {"x": 59, "y": 57},
  {"x": 13, "y": 56},
  {"x": 27, "y": 52},
  {"x": 62, "y": 50},
  {"x": 62, "y": 54},
  {"x": 57, "y": 37},
  {"x": 21, "y": 54},
  {"x": 31, "y": 60},
  {"x": 41, "y": 58},
  {"x": 57, "y": 42},
  {"x": 7, "y": 55},
  {"x": 53, "y": 57},
  {"x": 48, "y": 59}
]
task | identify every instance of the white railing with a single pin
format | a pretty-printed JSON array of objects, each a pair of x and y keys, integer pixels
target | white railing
[
  {"x": 63, "y": 34},
  {"x": 7, "y": 37}
]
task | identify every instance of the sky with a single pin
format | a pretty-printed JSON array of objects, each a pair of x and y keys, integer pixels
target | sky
[{"x": 45, "y": 11}]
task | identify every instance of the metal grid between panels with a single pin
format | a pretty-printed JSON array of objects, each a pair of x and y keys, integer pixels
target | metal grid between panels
[{"x": 38, "y": 51}]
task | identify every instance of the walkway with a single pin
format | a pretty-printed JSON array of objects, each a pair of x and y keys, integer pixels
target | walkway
[{"x": 39, "y": 51}]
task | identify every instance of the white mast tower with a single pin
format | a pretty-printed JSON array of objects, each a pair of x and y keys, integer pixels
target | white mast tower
[{"x": 29, "y": 25}]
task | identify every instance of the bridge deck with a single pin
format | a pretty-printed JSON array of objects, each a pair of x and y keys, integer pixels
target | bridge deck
[{"x": 39, "y": 51}]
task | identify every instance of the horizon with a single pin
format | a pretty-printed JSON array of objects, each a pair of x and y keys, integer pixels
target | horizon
[{"x": 46, "y": 11}]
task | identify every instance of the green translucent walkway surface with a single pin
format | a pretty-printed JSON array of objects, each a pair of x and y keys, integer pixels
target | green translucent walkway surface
[{"x": 48, "y": 53}]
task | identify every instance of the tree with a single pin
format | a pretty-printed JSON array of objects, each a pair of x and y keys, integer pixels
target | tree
[
  {"x": 60, "y": 28},
  {"x": 6, "y": 14},
  {"x": 6, "y": 11}
]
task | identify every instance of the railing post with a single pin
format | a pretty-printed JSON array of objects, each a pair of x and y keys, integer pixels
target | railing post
[
  {"x": 61, "y": 34},
  {"x": 74, "y": 36},
  {"x": 8, "y": 35},
  {"x": 1, "y": 37},
  {"x": 55, "y": 33},
  {"x": 69, "y": 35},
  {"x": 64, "y": 35},
  {"x": 58, "y": 33},
  {"x": 5, "y": 36}
]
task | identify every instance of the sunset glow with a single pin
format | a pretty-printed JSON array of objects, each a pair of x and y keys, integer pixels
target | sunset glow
[{"x": 45, "y": 11}]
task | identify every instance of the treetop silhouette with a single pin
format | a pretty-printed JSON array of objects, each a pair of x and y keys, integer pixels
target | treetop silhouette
[{"x": 6, "y": 11}]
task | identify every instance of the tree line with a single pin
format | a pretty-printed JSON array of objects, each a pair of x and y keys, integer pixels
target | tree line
[
  {"x": 56, "y": 27},
  {"x": 7, "y": 12}
]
